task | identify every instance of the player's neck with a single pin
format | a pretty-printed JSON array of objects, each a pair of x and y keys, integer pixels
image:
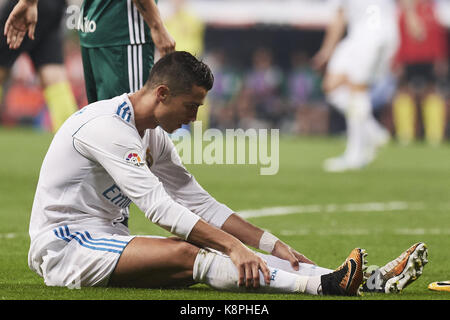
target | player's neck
[{"x": 144, "y": 104}]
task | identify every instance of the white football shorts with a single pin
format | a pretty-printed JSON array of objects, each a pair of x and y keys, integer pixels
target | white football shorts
[
  {"x": 82, "y": 258},
  {"x": 363, "y": 59}
]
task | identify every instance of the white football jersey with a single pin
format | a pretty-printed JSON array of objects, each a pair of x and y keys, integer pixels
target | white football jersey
[
  {"x": 97, "y": 164},
  {"x": 370, "y": 15}
]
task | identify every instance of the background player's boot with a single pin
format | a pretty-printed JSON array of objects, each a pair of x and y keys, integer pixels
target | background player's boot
[
  {"x": 347, "y": 279},
  {"x": 399, "y": 273},
  {"x": 348, "y": 163}
]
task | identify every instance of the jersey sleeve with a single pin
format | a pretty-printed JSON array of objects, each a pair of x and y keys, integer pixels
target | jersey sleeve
[
  {"x": 184, "y": 188},
  {"x": 117, "y": 147}
]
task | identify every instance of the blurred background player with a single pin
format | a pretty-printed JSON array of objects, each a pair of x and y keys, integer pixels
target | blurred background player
[
  {"x": 354, "y": 64},
  {"x": 118, "y": 40},
  {"x": 46, "y": 54},
  {"x": 423, "y": 68},
  {"x": 188, "y": 30}
]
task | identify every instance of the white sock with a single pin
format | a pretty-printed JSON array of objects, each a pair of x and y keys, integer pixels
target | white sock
[
  {"x": 339, "y": 98},
  {"x": 313, "y": 272},
  {"x": 305, "y": 269},
  {"x": 219, "y": 272},
  {"x": 357, "y": 118}
]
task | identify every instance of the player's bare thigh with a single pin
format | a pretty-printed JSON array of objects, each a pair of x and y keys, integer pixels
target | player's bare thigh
[
  {"x": 155, "y": 263},
  {"x": 333, "y": 81}
]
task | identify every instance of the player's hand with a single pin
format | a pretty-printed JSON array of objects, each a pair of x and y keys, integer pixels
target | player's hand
[
  {"x": 21, "y": 20},
  {"x": 248, "y": 265},
  {"x": 283, "y": 251},
  {"x": 163, "y": 40}
]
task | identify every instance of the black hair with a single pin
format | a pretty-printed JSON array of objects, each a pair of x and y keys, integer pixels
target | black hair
[{"x": 179, "y": 71}]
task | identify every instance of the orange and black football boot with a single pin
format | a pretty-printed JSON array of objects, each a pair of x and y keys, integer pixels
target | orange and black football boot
[{"x": 348, "y": 278}]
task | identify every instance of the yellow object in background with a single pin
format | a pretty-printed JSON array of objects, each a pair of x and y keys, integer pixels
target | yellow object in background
[
  {"x": 203, "y": 114},
  {"x": 404, "y": 116},
  {"x": 440, "y": 286},
  {"x": 188, "y": 30},
  {"x": 60, "y": 102},
  {"x": 434, "y": 115}
]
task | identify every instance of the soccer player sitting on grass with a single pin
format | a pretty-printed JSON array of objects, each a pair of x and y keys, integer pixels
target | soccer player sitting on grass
[{"x": 114, "y": 152}]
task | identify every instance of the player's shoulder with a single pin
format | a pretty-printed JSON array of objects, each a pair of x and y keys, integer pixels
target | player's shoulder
[
  {"x": 111, "y": 117},
  {"x": 117, "y": 109}
]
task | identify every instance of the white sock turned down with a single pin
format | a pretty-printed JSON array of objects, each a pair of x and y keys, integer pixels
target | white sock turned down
[{"x": 219, "y": 272}]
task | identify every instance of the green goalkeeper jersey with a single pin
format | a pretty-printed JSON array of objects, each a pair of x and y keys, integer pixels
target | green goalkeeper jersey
[{"x": 104, "y": 23}]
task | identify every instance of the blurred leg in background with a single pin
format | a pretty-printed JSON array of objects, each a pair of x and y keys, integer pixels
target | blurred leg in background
[
  {"x": 419, "y": 108},
  {"x": 46, "y": 53}
]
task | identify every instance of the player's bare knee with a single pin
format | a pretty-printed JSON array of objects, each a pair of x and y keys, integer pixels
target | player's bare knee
[{"x": 185, "y": 252}]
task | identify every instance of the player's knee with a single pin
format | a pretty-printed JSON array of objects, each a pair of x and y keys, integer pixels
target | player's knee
[
  {"x": 332, "y": 82},
  {"x": 183, "y": 251},
  {"x": 52, "y": 74}
]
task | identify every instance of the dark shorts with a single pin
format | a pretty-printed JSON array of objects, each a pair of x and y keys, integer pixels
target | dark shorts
[
  {"x": 47, "y": 48},
  {"x": 419, "y": 74},
  {"x": 112, "y": 71}
]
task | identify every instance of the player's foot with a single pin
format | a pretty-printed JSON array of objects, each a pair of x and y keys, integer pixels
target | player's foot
[
  {"x": 399, "y": 273},
  {"x": 347, "y": 279},
  {"x": 343, "y": 163},
  {"x": 380, "y": 137}
]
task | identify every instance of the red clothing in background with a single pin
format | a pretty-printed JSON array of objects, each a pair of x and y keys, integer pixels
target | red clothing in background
[{"x": 433, "y": 47}]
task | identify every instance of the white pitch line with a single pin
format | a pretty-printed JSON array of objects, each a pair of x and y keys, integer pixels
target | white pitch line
[
  {"x": 12, "y": 235},
  {"x": 362, "y": 231},
  {"x": 331, "y": 208}
]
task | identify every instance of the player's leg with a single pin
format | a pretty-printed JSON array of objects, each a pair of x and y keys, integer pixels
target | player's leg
[
  {"x": 434, "y": 117},
  {"x": 218, "y": 271},
  {"x": 3, "y": 76},
  {"x": 404, "y": 115},
  {"x": 7, "y": 56},
  {"x": 171, "y": 262},
  {"x": 48, "y": 58},
  {"x": 4, "y": 72},
  {"x": 355, "y": 59},
  {"x": 433, "y": 107},
  {"x": 58, "y": 93},
  {"x": 112, "y": 71},
  {"x": 155, "y": 262},
  {"x": 88, "y": 72},
  {"x": 305, "y": 269}
]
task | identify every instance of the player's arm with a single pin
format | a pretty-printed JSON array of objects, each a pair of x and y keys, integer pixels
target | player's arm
[
  {"x": 333, "y": 35},
  {"x": 258, "y": 238},
  {"x": 183, "y": 187},
  {"x": 160, "y": 36},
  {"x": 107, "y": 141},
  {"x": 413, "y": 22},
  {"x": 21, "y": 20},
  {"x": 247, "y": 262}
]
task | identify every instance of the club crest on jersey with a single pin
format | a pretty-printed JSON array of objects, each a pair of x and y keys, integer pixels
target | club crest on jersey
[{"x": 134, "y": 158}]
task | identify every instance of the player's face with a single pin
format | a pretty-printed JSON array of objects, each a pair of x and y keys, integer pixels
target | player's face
[{"x": 181, "y": 109}]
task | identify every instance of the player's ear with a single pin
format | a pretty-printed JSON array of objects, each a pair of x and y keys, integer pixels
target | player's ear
[{"x": 162, "y": 93}]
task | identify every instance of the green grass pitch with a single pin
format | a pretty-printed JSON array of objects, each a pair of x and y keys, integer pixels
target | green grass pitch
[{"x": 416, "y": 177}]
